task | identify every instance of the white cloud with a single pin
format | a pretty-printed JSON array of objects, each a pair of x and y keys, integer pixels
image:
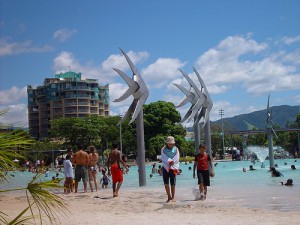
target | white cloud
[
  {"x": 63, "y": 34},
  {"x": 291, "y": 40},
  {"x": 13, "y": 95},
  {"x": 116, "y": 90},
  {"x": 15, "y": 116},
  {"x": 233, "y": 61},
  {"x": 14, "y": 48},
  {"x": 223, "y": 64},
  {"x": 162, "y": 72},
  {"x": 103, "y": 72}
]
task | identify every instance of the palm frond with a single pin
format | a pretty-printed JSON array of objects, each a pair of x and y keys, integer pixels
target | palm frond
[
  {"x": 21, "y": 220},
  {"x": 47, "y": 202}
]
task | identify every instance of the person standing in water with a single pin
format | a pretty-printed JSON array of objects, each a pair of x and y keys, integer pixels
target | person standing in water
[
  {"x": 170, "y": 160},
  {"x": 113, "y": 166},
  {"x": 202, "y": 163}
]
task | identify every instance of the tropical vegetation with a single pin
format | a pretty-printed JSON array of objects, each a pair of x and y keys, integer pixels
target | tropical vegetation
[{"x": 39, "y": 195}]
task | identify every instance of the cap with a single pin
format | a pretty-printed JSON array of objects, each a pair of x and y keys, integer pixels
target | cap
[{"x": 170, "y": 140}]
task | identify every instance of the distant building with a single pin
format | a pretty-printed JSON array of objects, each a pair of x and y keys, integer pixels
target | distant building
[{"x": 66, "y": 95}]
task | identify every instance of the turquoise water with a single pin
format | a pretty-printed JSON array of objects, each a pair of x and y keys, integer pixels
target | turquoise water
[{"x": 230, "y": 185}]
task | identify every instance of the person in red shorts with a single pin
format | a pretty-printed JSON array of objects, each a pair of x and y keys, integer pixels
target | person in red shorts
[
  {"x": 202, "y": 159},
  {"x": 113, "y": 165}
]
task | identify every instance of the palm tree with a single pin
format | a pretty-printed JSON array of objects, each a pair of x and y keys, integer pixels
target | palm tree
[{"x": 39, "y": 194}]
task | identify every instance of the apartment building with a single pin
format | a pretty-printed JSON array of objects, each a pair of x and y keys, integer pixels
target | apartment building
[{"x": 66, "y": 95}]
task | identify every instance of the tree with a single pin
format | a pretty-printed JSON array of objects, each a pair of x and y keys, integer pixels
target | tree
[
  {"x": 294, "y": 137},
  {"x": 86, "y": 130},
  {"x": 161, "y": 119},
  {"x": 12, "y": 146}
]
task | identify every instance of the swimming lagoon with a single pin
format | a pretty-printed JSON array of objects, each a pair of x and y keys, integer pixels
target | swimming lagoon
[{"x": 230, "y": 186}]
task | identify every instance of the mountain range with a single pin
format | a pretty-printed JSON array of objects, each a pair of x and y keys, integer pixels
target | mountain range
[{"x": 281, "y": 116}]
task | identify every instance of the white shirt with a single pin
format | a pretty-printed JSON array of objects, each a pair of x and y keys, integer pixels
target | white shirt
[{"x": 68, "y": 168}]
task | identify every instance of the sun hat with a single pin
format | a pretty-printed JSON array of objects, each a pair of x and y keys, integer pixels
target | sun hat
[{"x": 170, "y": 140}]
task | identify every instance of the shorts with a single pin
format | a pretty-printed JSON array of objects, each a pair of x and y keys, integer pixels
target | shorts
[
  {"x": 80, "y": 173},
  {"x": 116, "y": 173},
  {"x": 203, "y": 177},
  {"x": 169, "y": 177}
]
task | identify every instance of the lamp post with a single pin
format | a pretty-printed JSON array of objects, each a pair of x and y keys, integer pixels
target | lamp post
[{"x": 221, "y": 113}]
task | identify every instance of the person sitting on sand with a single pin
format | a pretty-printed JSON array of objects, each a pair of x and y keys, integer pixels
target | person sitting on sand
[
  {"x": 289, "y": 182},
  {"x": 113, "y": 165}
]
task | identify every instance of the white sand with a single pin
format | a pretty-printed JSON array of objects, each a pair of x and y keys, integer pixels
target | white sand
[{"x": 146, "y": 206}]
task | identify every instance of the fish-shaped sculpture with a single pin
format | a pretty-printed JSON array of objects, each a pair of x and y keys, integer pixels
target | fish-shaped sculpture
[
  {"x": 195, "y": 97},
  {"x": 137, "y": 88},
  {"x": 207, "y": 104},
  {"x": 198, "y": 97}
]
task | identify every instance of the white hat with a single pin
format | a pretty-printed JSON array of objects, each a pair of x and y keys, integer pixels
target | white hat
[{"x": 170, "y": 140}]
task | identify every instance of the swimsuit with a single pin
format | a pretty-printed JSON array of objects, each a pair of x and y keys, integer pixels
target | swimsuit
[
  {"x": 116, "y": 173},
  {"x": 105, "y": 180}
]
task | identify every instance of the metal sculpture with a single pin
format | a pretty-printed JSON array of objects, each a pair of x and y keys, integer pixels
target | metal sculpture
[
  {"x": 139, "y": 91},
  {"x": 270, "y": 132},
  {"x": 200, "y": 108}
]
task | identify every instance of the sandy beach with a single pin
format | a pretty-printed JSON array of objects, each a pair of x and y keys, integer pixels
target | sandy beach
[{"x": 147, "y": 206}]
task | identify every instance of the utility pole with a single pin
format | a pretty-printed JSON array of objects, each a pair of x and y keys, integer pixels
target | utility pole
[{"x": 221, "y": 113}]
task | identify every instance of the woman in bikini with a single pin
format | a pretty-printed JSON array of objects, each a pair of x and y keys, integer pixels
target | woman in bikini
[{"x": 93, "y": 159}]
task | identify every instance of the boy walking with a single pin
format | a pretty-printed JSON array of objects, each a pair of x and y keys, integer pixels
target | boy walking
[{"x": 202, "y": 159}]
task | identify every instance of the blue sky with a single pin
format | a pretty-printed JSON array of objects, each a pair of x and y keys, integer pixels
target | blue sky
[{"x": 243, "y": 50}]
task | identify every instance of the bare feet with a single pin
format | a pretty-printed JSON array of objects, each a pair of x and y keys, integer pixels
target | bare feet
[
  {"x": 169, "y": 199},
  {"x": 173, "y": 200},
  {"x": 115, "y": 195}
]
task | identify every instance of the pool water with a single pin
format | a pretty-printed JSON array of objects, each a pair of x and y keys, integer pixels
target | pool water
[{"x": 230, "y": 185}]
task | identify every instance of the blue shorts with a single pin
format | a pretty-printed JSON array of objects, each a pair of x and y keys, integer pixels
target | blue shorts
[{"x": 169, "y": 177}]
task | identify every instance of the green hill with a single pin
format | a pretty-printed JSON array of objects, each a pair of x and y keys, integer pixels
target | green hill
[{"x": 281, "y": 116}]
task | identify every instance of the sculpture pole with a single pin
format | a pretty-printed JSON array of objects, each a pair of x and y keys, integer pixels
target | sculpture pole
[
  {"x": 270, "y": 142},
  {"x": 208, "y": 138},
  {"x": 141, "y": 148},
  {"x": 270, "y": 134},
  {"x": 138, "y": 89},
  {"x": 197, "y": 134}
]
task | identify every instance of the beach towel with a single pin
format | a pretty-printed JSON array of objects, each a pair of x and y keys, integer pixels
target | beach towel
[{"x": 169, "y": 155}]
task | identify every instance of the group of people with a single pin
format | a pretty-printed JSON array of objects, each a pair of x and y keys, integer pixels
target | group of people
[
  {"x": 275, "y": 173},
  {"x": 86, "y": 169},
  {"x": 170, "y": 160}
]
